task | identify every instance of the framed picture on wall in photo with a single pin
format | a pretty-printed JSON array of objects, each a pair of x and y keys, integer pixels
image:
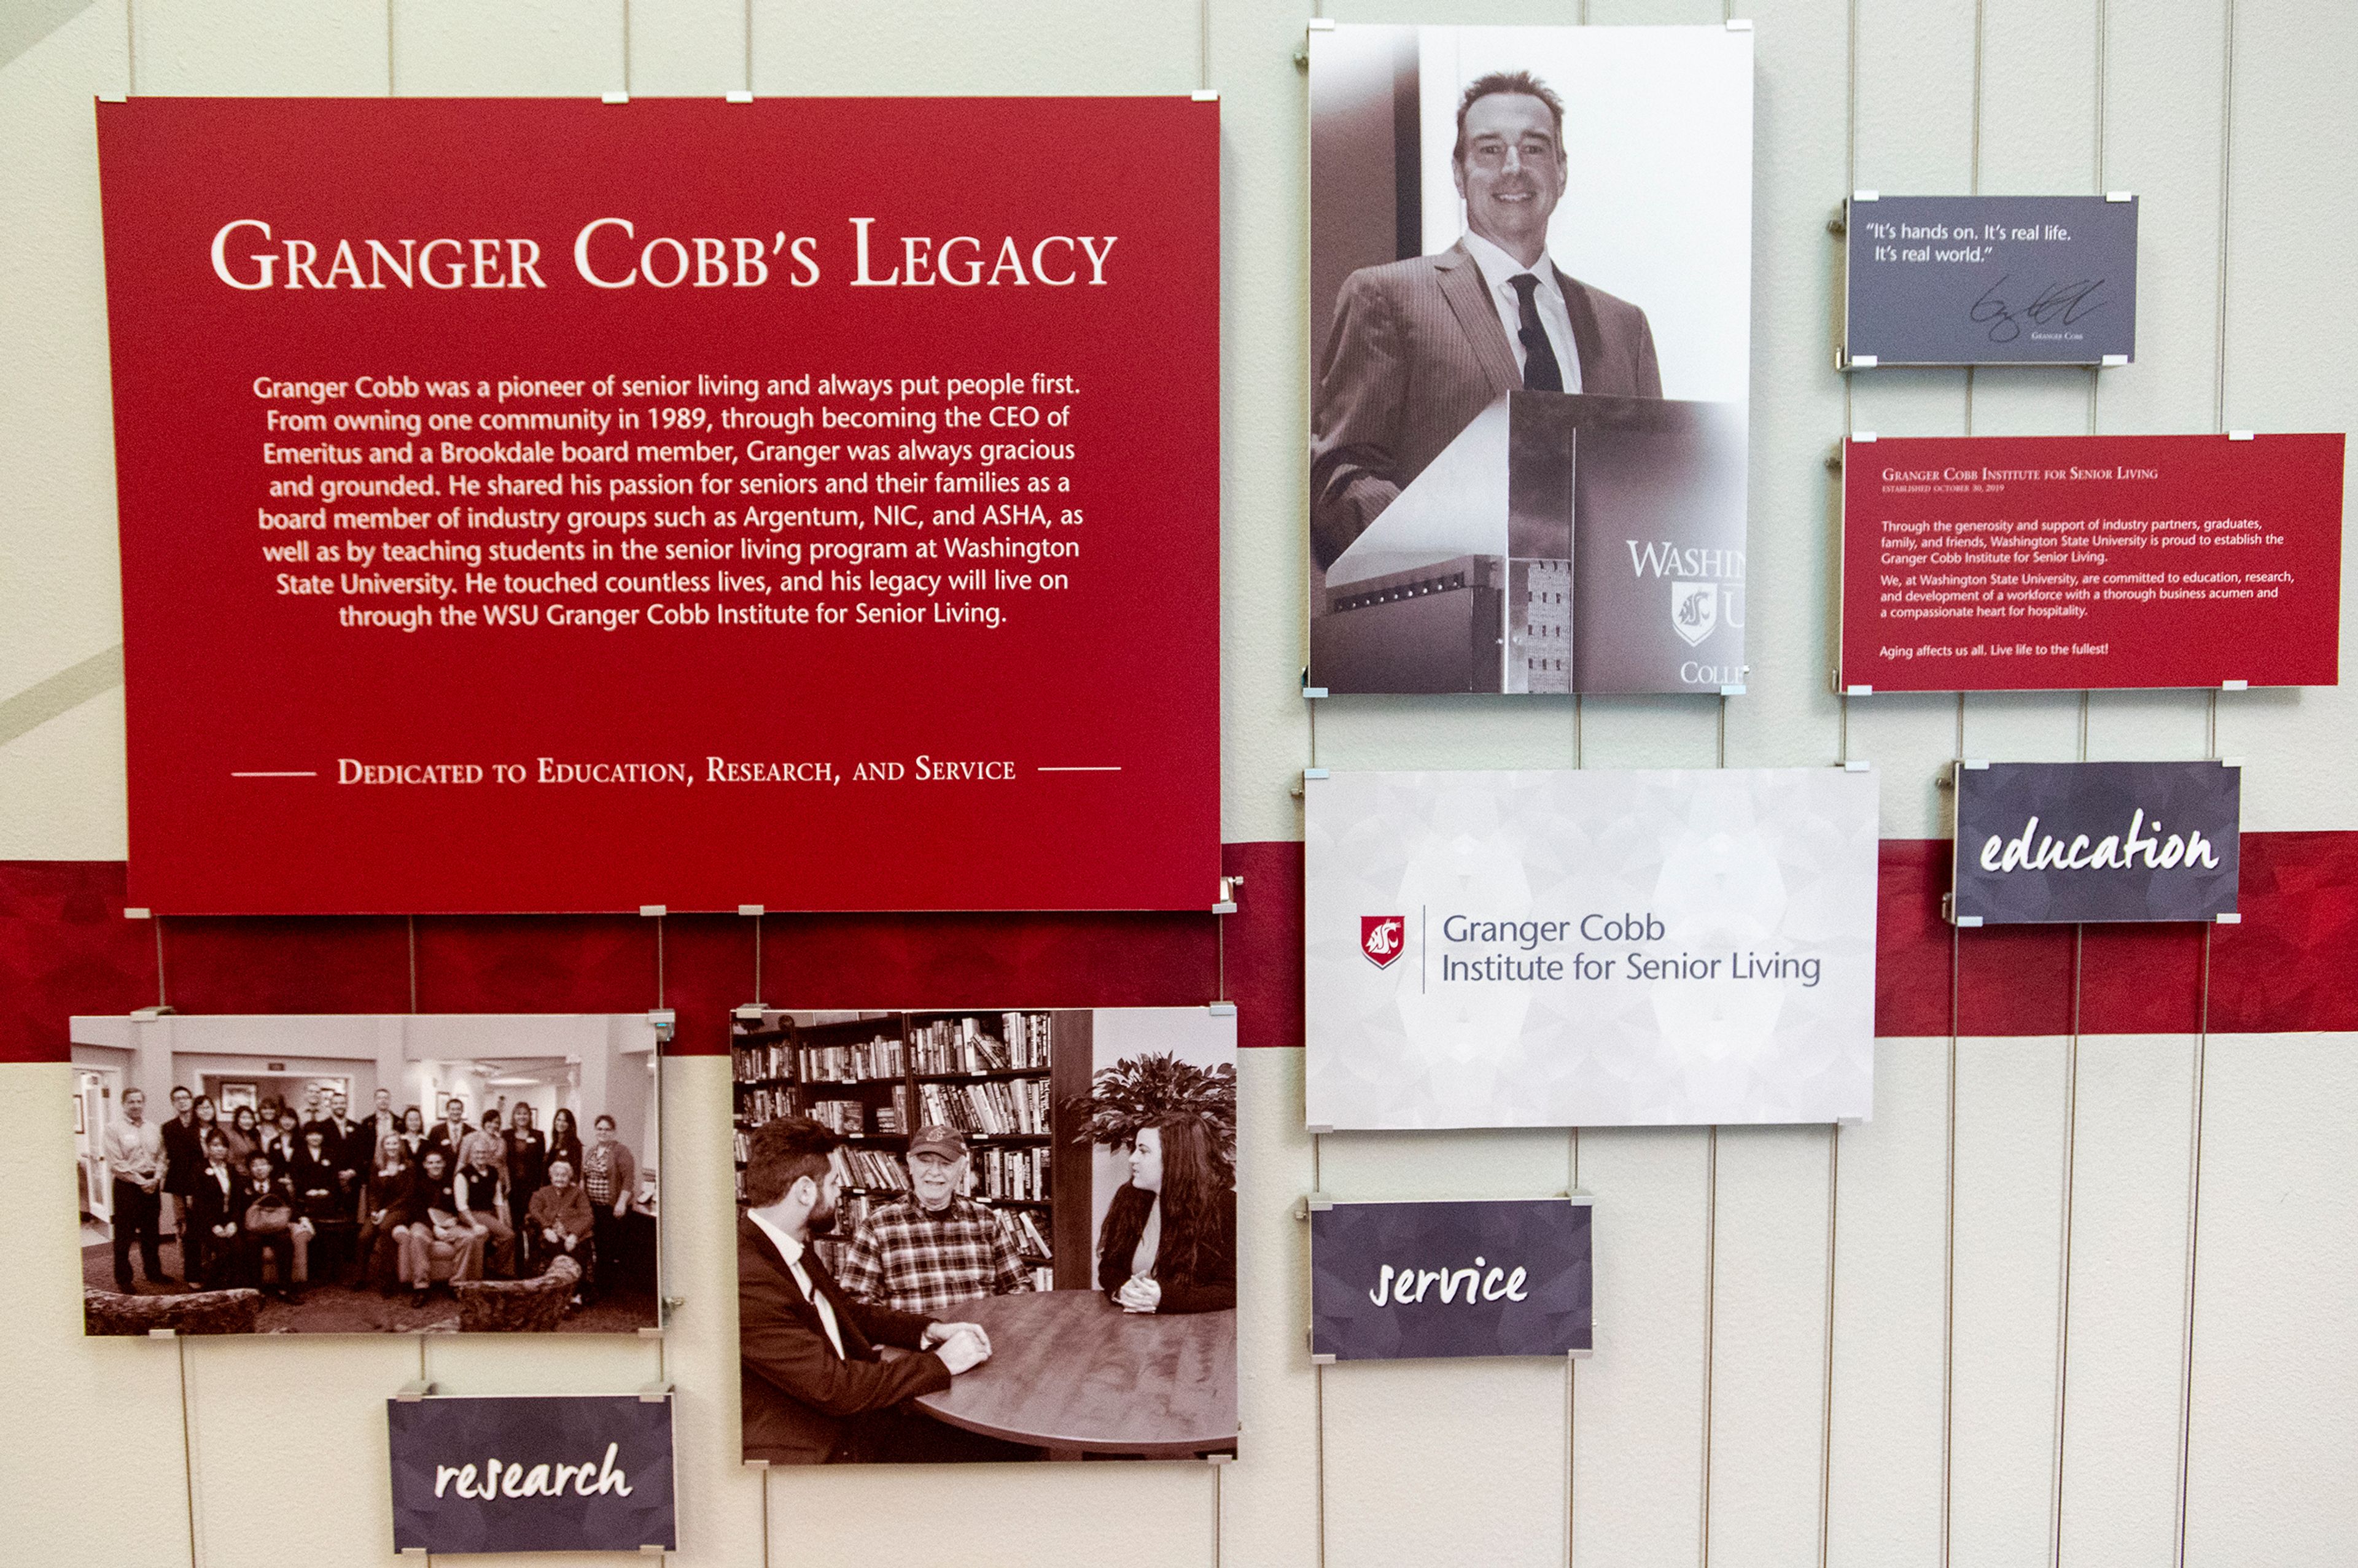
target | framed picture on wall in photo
[
  {"x": 324, "y": 1175},
  {"x": 975, "y": 1234},
  {"x": 1531, "y": 273}
]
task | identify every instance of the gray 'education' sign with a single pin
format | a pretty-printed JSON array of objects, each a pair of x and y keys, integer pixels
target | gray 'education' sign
[
  {"x": 546, "y": 1473},
  {"x": 1968, "y": 280},
  {"x": 1392, "y": 1282},
  {"x": 2063, "y": 842}
]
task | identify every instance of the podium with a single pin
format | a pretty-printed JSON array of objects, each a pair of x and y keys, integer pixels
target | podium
[{"x": 1562, "y": 542}]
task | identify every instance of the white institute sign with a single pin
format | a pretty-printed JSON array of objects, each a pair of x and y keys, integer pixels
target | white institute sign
[{"x": 1590, "y": 948}]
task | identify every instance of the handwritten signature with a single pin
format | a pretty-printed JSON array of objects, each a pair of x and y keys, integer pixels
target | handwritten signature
[{"x": 2058, "y": 304}]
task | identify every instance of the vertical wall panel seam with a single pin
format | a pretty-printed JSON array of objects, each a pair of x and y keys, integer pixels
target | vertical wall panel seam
[
  {"x": 1826, "y": 1404},
  {"x": 2226, "y": 198},
  {"x": 2202, "y": 1035},
  {"x": 1949, "y": 1257},
  {"x": 1842, "y": 755},
  {"x": 2193, "y": 1253},
  {"x": 2079, "y": 941},
  {"x": 1318, "y": 1372},
  {"x": 1570, "y": 1367},
  {"x": 1956, "y": 964},
  {"x": 2063, "y": 1267},
  {"x": 187, "y": 1434},
  {"x": 1710, "y": 1299}
]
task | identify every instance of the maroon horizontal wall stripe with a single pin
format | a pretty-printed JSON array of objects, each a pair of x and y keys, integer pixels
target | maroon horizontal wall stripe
[{"x": 65, "y": 949}]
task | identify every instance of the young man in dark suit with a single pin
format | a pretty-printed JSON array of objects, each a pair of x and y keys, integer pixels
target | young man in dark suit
[
  {"x": 814, "y": 1388},
  {"x": 383, "y": 1122},
  {"x": 349, "y": 1151},
  {"x": 184, "y": 1156}
]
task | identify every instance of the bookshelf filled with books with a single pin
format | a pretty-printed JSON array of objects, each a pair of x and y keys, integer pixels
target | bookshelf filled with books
[{"x": 875, "y": 1078}]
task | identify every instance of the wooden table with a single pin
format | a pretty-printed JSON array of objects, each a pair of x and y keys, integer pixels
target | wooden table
[{"x": 1072, "y": 1373}]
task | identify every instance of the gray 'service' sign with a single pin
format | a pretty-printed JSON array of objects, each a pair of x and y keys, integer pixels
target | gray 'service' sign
[
  {"x": 1392, "y": 1282},
  {"x": 546, "y": 1473},
  {"x": 1962, "y": 280},
  {"x": 2064, "y": 842}
]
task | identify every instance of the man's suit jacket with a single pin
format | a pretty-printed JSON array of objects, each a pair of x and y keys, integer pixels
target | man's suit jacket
[
  {"x": 1415, "y": 352},
  {"x": 374, "y": 1132},
  {"x": 183, "y": 1157},
  {"x": 345, "y": 1147},
  {"x": 799, "y": 1398}
]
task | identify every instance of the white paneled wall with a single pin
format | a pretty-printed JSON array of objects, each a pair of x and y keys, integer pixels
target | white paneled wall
[{"x": 2086, "y": 1303}]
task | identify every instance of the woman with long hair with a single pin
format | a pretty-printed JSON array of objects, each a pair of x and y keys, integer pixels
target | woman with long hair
[
  {"x": 1169, "y": 1242},
  {"x": 242, "y": 1136},
  {"x": 564, "y": 1140},
  {"x": 381, "y": 1256},
  {"x": 282, "y": 1140},
  {"x": 413, "y": 1133},
  {"x": 527, "y": 1159}
]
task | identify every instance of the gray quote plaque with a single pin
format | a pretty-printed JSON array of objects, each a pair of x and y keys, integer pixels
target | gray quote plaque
[
  {"x": 2067, "y": 842},
  {"x": 1967, "y": 280},
  {"x": 1513, "y": 1278},
  {"x": 533, "y": 1472}
]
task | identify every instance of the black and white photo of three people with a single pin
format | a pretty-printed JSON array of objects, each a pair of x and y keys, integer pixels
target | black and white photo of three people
[
  {"x": 323, "y": 1175},
  {"x": 900, "y": 1326}
]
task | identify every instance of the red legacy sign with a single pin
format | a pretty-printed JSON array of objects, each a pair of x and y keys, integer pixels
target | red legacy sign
[
  {"x": 563, "y": 505},
  {"x": 2059, "y": 563}
]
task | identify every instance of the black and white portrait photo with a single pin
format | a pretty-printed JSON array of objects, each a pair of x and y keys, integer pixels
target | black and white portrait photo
[
  {"x": 357, "y": 1173},
  {"x": 974, "y": 1234},
  {"x": 1529, "y": 301}
]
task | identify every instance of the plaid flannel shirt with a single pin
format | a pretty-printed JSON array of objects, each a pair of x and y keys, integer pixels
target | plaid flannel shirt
[{"x": 915, "y": 1261}]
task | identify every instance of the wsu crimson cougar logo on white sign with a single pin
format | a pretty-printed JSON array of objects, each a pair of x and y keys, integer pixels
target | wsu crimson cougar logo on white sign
[{"x": 1383, "y": 937}]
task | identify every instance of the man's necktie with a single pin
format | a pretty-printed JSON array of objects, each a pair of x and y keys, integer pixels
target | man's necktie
[{"x": 1540, "y": 373}]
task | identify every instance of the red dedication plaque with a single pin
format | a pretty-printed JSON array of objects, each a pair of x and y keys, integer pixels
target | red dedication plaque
[
  {"x": 2057, "y": 563},
  {"x": 563, "y": 505}
]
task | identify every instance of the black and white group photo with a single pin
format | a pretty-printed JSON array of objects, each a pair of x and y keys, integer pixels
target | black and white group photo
[
  {"x": 366, "y": 1175},
  {"x": 971, "y": 1235}
]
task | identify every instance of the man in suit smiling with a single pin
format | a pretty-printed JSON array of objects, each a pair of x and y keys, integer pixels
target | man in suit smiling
[
  {"x": 1418, "y": 347},
  {"x": 814, "y": 1388}
]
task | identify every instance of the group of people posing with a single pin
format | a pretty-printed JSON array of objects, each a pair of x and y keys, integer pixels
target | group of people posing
[
  {"x": 816, "y": 1390},
  {"x": 275, "y": 1200}
]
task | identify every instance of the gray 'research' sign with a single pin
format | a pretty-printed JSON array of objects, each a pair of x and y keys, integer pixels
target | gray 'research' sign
[
  {"x": 1965, "y": 280},
  {"x": 533, "y": 1472}
]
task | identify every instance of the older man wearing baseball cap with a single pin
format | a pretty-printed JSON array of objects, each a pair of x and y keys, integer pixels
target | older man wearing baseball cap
[{"x": 933, "y": 1247}]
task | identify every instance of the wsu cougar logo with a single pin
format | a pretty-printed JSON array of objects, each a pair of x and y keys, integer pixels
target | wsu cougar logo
[
  {"x": 1383, "y": 937},
  {"x": 1694, "y": 610}
]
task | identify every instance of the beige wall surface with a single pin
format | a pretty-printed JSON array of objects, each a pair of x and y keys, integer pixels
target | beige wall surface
[{"x": 2076, "y": 1302}]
